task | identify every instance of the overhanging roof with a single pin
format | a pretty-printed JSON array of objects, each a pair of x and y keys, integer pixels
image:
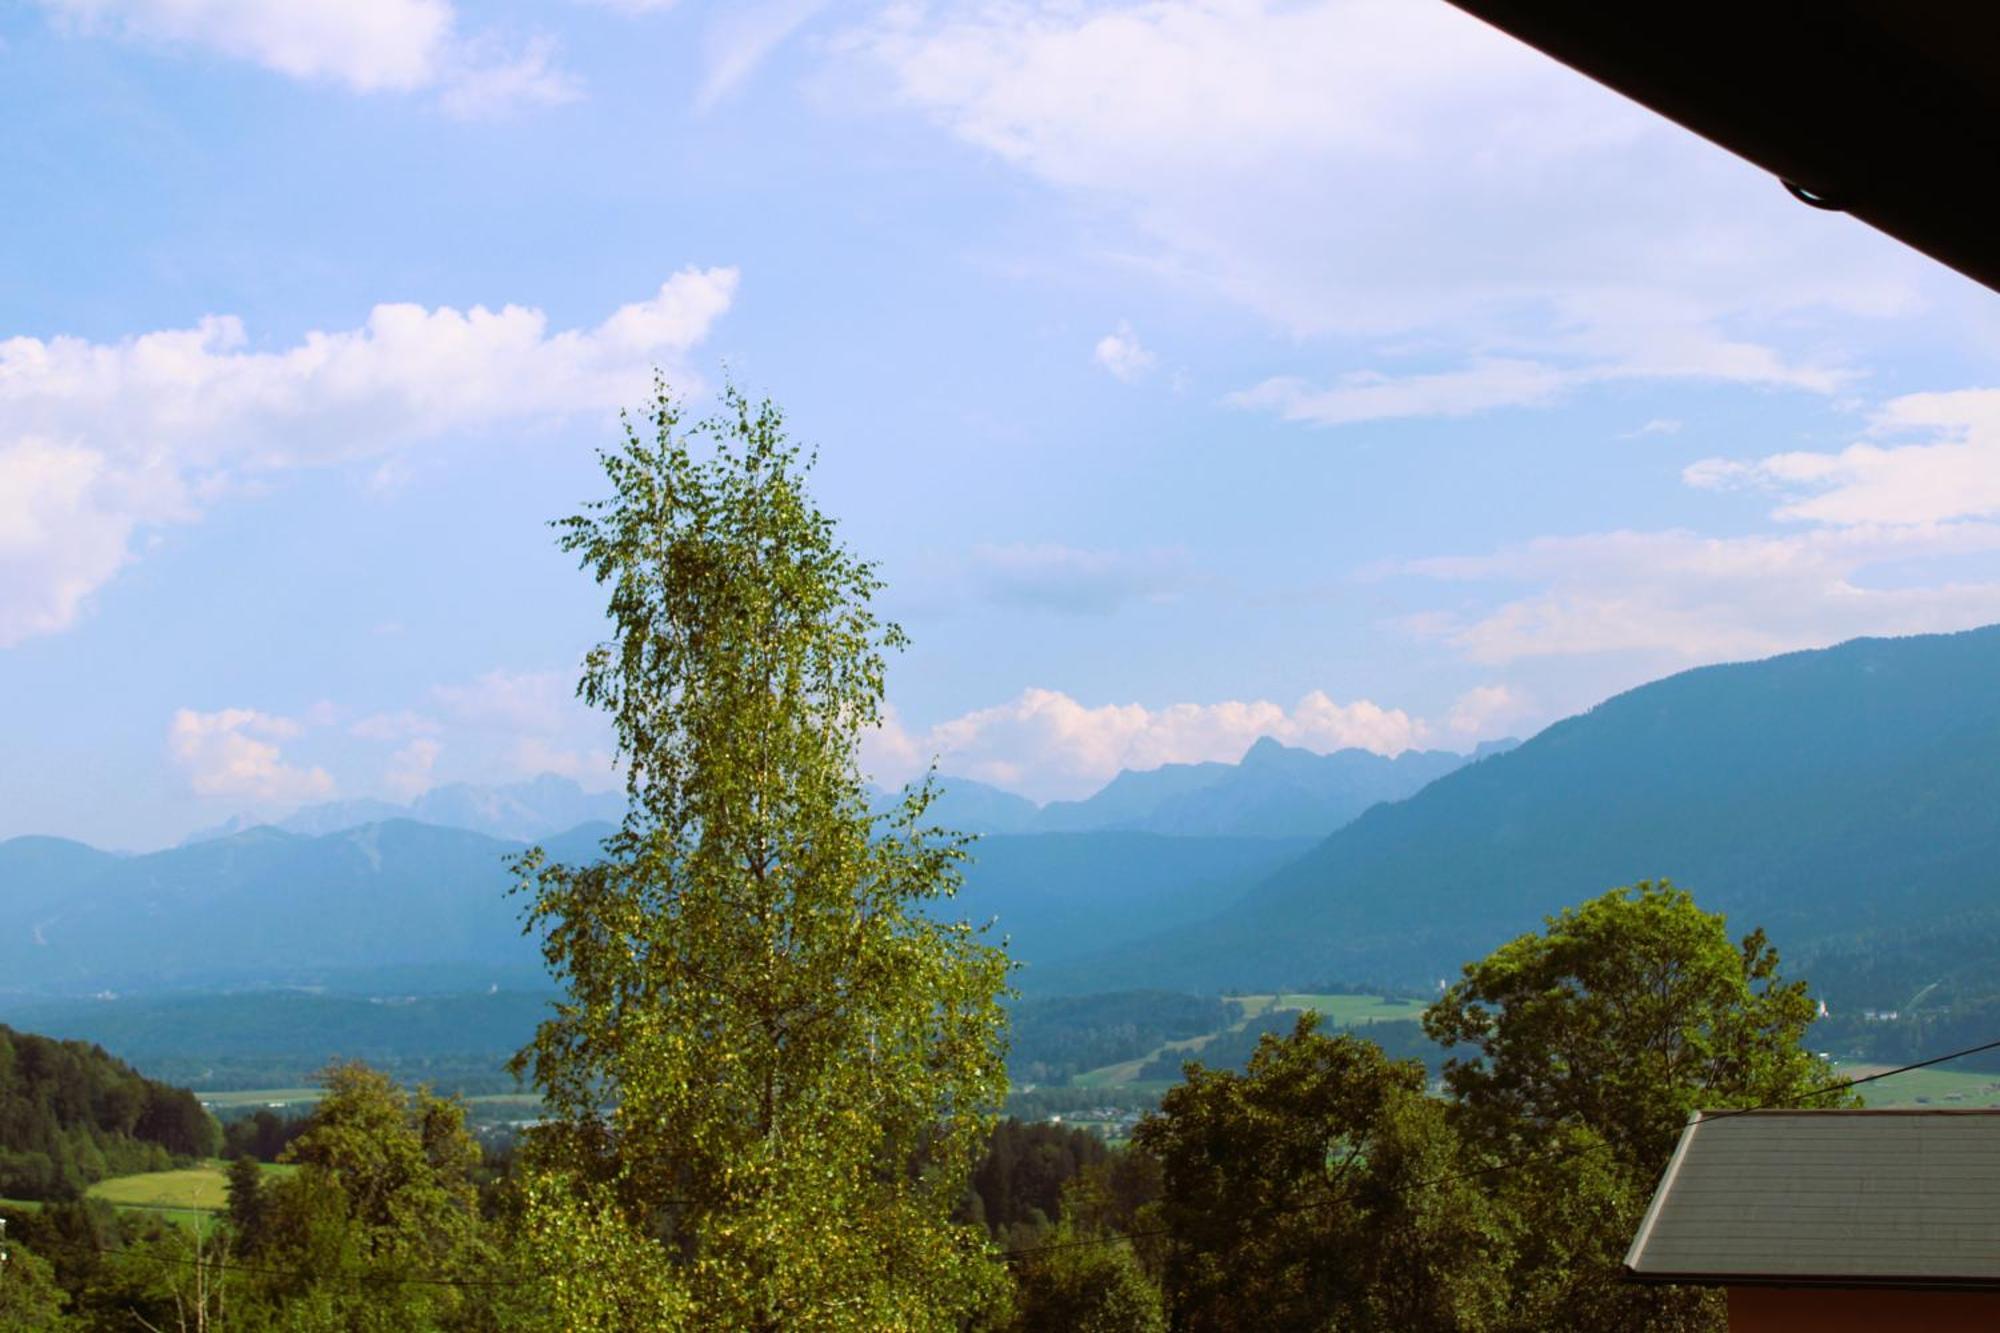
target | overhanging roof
[
  {"x": 1835, "y": 1198},
  {"x": 1885, "y": 109}
]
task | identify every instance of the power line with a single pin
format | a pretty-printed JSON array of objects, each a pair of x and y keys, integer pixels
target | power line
[{"x": 1531, "y": 1159}]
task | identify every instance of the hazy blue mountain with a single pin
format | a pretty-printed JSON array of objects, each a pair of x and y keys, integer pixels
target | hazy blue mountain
[
  {"x": 1058, "y": 897},
  {"x": 267, "y": 905},
  {"x": 975, "y": 807},
  {"x": 1275, "y": 791},
  {"x": 1828, "y": 795},
  {"x": 38, "y": 874},
  {"x": 517, "y": 811},
  {"x": 416, "y": 906}
]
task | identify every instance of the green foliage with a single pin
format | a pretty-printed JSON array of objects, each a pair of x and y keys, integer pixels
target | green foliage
[
  {"x": 771, "y": 1070},
  {"x": 1400, "y": 1039},
  {"x": 1075, "y": 1284},
  {"x": 1590, "y": 1044},
  {"x": 70, "y": 1115},
  {"x": 30, "y": 1299},
  {"x": 1017, "y": 1189},
  {"x": 1057, "y": 1037},
  {"x": 1321, "y": 1189},
  {"x": 382, "y": 1194},
  {"x": 1626, "y": 1014}
]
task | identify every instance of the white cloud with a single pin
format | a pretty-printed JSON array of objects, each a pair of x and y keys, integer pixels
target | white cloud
[
  {"x": 1371, "y": 396},
  {"x": 531, "y": 722},
  {"x": 1955, "y": 474},
  {"x": 485, "y": 81},
  {"x": 522, "y": 701},
  {"x": 1045, "y": 744},
  {"x": 1658, "y": 426},
  {"x": 1496, "y": 382},
  {"x": 410, "y": 768},
  {"x": 741, "y": 36},
  {"x": 366, "y": 46},
  {"x": 235, "y": 753},
  {"x": 1080, "y": 582},
  {"x": 1486, "y": 711},
  {"x": 1121, "y": 353},
  {"x": 1679, "y": 598},
  {"x": 98, "y": 440},
  {"x": 1376, "y": 169},
  {"x": 403, "y": 724}
]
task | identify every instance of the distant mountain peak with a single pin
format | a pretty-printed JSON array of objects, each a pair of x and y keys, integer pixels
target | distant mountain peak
[
  {"x": 1264, "y": 749},
  {"x": 524, "y": 811}
]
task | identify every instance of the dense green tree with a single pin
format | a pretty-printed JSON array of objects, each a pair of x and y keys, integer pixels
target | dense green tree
[
  {"x": 1079, "y": 1281},
  {"x": 772, "y": 1068},
  {"x": 1589, "y": 1044},
  {"x": 1627, "y": 1013},
  {"x": 70, "y": 1115},
  {"x": 1321, "y": 1189},
  {"x": 30, "y": 1299},
  {"x": 379, "y": 1220},
  {"x": 246, "y": 1198}
]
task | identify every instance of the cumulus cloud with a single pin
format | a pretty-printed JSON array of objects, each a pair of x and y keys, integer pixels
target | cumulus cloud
[
  {"x": 98, "y": 440},
  {"x": 365, "y": 46},
  {"x": 235, "y": 752},
  {"x": 1047, "y": 745},
  {"x": 1076, "y": 581},
  {"x": 1121, "y": 353},
  {"x": 1484, "y": 711},
  {"x": 410, "y": 768},
  {"x": 531, "y": 722},
  {"x": 1374, "y": 169},
  {"x": 1954, "y": 473},
  {"x": 1680, "y": 598}
]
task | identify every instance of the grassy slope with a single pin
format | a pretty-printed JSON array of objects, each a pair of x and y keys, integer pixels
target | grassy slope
[
  {"x": 1339, "y": 1010},
  {"x": 187, "y": 1196}
]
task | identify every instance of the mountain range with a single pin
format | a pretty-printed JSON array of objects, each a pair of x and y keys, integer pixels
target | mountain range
[
  {"x": 1837, "y": 798},
  {"x": 519, "y": 811},
  {"x": 1846, "y": 799}
]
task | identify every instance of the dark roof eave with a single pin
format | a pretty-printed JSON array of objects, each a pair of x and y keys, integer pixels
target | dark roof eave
[
  {"x": 1904, "y": 1282},
  {"x": 1890, "y": 114}
]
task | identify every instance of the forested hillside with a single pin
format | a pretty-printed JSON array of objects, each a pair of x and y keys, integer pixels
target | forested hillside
[
  {"x": 1836, "y": 797},
  {"x": 70, "y": 1115}
]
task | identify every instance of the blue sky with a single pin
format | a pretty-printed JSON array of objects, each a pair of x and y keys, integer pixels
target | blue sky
[{"x": 1196, "y": 370}]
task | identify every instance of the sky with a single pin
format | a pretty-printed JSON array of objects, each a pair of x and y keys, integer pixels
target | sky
[{"x": 1195, "y": 370}]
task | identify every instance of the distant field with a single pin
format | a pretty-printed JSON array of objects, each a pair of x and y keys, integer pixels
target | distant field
[
  {"x": 186, "y": 1197},
  {"x": 1340, "y": 1010},
  {"x": 293, "y": 1099},
  {"x": 1942, "y": 1088},
  {"x": 272, "y": 1097}
]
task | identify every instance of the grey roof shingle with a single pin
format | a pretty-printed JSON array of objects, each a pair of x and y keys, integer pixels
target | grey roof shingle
[{"x": 1854, "y": 1197}]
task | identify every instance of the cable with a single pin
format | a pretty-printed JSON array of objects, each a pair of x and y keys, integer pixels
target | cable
[{"x": 1118, "y": 1238}]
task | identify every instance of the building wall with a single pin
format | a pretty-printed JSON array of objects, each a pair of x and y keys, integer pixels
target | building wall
[{"x": 1836, "y": 1310}]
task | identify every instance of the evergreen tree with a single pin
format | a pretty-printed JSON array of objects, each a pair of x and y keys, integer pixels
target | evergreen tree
[{"x": 772, "y": 1067}]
